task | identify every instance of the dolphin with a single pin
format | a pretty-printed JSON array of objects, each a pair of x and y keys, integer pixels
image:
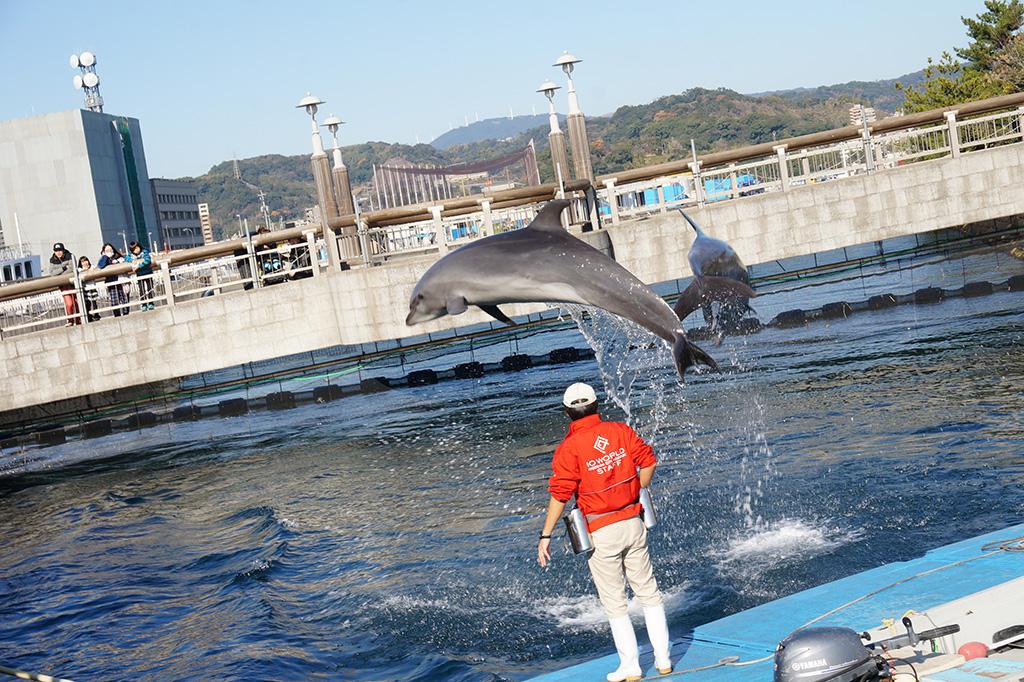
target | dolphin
[
  {"x": 718, "y": 275},
  {"x": 542, "y": 263}
]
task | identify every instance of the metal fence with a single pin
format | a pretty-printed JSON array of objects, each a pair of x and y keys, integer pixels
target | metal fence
[{"x": 784, "y": 169}]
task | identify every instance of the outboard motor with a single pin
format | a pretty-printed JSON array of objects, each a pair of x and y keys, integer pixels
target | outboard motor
[
  {"x": 841, "y": 655},
  {"x": 832, "y": 654}
]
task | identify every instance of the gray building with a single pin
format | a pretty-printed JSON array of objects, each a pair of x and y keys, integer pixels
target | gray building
[
  {"x": 177, "y": 211},
  {"x": 77, "y": 177}
]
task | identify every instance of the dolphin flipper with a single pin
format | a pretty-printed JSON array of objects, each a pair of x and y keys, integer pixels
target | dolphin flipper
[
  {"x": 687, "y": 354},
  {"x": 688, "y": 301},
  {"x": 496, "y": 313},
  {"x": 707, "y": 289},
  {"x": 456, "y": 305}
]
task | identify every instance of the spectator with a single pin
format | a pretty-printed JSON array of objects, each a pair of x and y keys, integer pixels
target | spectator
[
  {"x": 115, "y": 290},
  {"x": 142, "y": 264},
  {"x": 89, "y": 292},
  {"x": 268, "y": 259},
  {"x": 60, "y": 264}
]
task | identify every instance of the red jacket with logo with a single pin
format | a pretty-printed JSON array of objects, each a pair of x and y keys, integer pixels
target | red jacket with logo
[{"x": 598, "y": 463}]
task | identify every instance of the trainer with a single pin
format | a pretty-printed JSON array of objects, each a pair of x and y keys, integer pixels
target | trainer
[{"x": 604, "y": 464}]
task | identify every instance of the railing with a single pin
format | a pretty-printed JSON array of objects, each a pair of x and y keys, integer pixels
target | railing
[
  {"x": 816, "y": 158},
  {"x": 431, "y": 229}
]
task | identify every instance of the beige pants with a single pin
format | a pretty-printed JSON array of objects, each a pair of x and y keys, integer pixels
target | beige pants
[{"x": 620, "y": 550}]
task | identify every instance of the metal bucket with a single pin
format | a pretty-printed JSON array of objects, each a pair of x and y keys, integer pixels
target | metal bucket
[
  {"x": 650, "y": 517},
  {"x": 576, "y": 528}
]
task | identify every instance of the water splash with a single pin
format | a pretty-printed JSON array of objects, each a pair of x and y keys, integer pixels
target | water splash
[
  {"x": 636, "y": 368},
  {"x": 585, "y": 612}
]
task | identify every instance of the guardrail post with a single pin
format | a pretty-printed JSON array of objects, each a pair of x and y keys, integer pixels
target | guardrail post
[
  {"x": 76, "y": 279},
  {"x": 333, "y": 248},
  {"x": 257, "y": 281},
  {"x": 488, "y": 218},
  {"x": 165, "y": 278},
  {"x": 805, "y": 166},
  {"x": 612, "y": 200},
  {"x": 440, "y": 234},
  {"x": 364, "y": 247},
  {"x": 314, "y": 255},
  {"x": 734, "y": 181},
  {"x": 869, "y": 150},
  {"x": 661, "y": 198},
  {"x": 698, "y": 185},
  {"x": 780, "y": 153},
  {"x": 1020, "y": 122},
  {"x": 954, "y": 134}
]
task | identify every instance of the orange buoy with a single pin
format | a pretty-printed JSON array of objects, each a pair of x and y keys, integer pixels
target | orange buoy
[{"x": 973, "y": 650}]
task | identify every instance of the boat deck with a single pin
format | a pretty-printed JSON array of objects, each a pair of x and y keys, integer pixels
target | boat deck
[{"x": 862, "y": 602}]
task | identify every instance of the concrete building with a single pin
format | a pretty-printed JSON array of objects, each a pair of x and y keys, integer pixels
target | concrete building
[
  {"x": 177, "y": 211},
  {"x": 206, "y": 223},
  {"x": 859, "y": 114},
  {"x": 77, "y": 177}
]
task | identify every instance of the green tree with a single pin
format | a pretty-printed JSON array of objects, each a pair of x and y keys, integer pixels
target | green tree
[
  {"x": 991, "y": 32},
  {"x": 947, "y": 83}
]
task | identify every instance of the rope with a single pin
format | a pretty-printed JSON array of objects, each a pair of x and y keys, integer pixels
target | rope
[
  {"x": 22, "y": 675},
  {"x": 990, "y": 549}
]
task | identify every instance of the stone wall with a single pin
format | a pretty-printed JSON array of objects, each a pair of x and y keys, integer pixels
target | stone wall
[{"x": 363, "y": 305}]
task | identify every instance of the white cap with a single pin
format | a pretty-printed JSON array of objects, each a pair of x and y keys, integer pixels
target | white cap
[{"x": 579, "y": 395}]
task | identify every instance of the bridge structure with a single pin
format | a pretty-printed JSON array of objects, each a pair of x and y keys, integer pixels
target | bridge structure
[{"x": 347, "y": 282}]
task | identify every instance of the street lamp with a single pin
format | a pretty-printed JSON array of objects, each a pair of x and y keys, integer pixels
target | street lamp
[
  {"x": 332, "y": 123},
  {"x": 567, "y": 62},
  {"x": 310, "y": 104},
  {"x": 321, "y": 170},
  {"x": 578, "y": 141},
  {"x": 556, "y": 140}
]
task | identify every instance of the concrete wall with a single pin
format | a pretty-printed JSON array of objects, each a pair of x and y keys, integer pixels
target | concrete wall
[
  {"x": 918, "y": 198},
  {"x": 370, "y": 304}
]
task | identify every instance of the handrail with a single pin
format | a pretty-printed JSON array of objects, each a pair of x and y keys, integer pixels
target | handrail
[{"x": 758, "y": 151}]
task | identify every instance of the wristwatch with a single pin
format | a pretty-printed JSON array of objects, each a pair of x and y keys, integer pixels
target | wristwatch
[{"x": 544, "y": 537}]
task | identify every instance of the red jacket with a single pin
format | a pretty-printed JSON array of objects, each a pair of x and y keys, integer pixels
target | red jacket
[{"x": 598, "y": 463}]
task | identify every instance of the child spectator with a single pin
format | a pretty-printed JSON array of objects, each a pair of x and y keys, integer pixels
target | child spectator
[
  {"x": 88, "y": 291},
  {"x": 142, "y": 264},
  {"x": 117, "y": 292}
]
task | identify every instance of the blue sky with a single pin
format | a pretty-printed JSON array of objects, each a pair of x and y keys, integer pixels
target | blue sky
[{"x": 216, "y": 79}]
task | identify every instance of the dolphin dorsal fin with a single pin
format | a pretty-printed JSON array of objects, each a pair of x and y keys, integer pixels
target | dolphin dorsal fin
[
  {"x": 550, "y": 217},
  {"x": 695, "y": 226}
]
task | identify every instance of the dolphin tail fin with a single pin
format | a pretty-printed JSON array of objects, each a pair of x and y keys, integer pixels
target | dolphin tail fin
[{"x": 687, "y": 354}]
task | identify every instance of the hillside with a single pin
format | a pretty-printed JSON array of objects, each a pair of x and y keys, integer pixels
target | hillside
[
  {"x": 882, "y": 94},
  {"x": 630, "y": 137},
  {"x": 491, "y": 129}
]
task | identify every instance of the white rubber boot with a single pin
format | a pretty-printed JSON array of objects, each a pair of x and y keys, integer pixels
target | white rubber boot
[
  {"x": 657, "y": 632},
  {"x": 629, "y": 653}
]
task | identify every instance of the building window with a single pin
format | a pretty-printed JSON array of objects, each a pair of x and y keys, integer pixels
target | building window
[
  {"x": 7, "y": 273},
  {"x": 28, "y": 271},
  {"x": 17, "y": 271}
]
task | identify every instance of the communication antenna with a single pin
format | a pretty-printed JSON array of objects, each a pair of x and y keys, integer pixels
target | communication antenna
[{"x": 87, "y": 80}]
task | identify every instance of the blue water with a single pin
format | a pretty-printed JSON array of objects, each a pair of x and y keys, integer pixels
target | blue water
[{"x": 392, "y": 536}]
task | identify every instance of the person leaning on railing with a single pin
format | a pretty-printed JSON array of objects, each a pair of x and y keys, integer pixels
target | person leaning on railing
[
  {"x": 89, "y": 292},
  {"x": 142, "y": 264},
  {"x": 117, "y": 292},
  {"x": 61, "y": 263}
]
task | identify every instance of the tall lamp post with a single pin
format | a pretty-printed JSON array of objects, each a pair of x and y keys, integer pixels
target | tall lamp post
[
  {"x": 321, "y": 169},
  {"x": 342, "y": 185},
  {"x": 556, "y": 139},
  {"x": 578, "y": 141}
]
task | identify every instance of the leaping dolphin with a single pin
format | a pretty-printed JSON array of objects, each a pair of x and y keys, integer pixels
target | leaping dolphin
[
  {"x": 542, "y": 263},
  {"x": 718, "y": 275}
]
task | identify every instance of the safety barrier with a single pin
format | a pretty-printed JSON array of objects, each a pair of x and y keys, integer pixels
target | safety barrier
[{"x": 433, "y": 228}]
